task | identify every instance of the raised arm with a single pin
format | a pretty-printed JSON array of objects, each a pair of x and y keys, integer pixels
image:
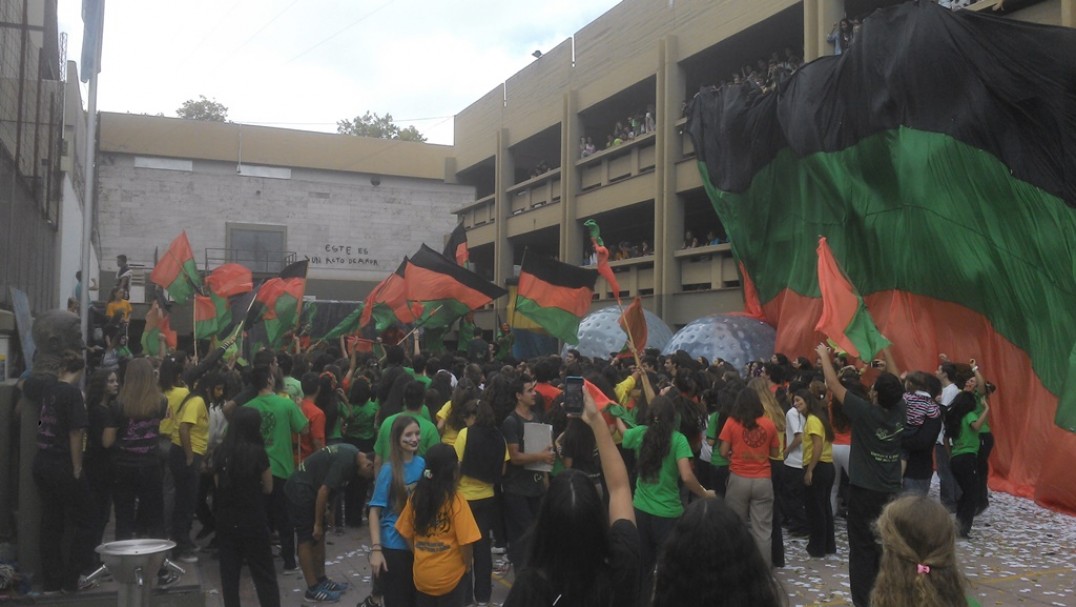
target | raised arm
[
  {"x": 616, "y": 474},
  {"x": 832, "y": 382}
]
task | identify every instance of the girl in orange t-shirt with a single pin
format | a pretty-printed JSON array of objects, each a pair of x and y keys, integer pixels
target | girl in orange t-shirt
[{"x": 438, "y": 524}]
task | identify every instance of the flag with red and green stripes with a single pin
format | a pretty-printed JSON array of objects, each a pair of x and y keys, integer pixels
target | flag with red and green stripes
[
  {"x": 278, "y": 303},
  {"x": 456, "y": 247},
  {"x": 387, "y": 303},
  {"x": 158, "y": 337},
  {"x": 555, "y": 295},
  {"x": 348, "y": 326},
  {"x": 226, "y": 284},
  {"x": 177, "y": 271},
  {"x": 947, "y": 190},
  {"x": 445, "y": 290},
  {"x": 206, "y": 323}
]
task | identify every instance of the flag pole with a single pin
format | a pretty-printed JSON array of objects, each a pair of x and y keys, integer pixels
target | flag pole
[
  {"x": 647, "y": 388},
  {"x": 89, "y": 182},
  {"x": 419, "y": 325}
]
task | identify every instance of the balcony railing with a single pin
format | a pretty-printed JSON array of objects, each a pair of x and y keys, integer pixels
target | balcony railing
[
  {"x": 535, "y": 192},
  {"x": 624, "y": 161}
]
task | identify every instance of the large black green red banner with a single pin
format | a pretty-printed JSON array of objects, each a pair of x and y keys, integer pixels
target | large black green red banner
[{"x": 938, "y": 158}]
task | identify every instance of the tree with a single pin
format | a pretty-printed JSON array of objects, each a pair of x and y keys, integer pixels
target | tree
[
  {"x": 203, "y": 109},
  {"x": 380, "y": 127}
]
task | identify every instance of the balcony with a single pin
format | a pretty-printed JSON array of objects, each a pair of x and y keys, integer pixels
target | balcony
[
  {"x": 479, "y": 218},
  {"x": 533, "y": 203},
  {"x": 635, "y": 276},
  {"x": 629, "y": 159},
  {"x": 708, "y": 267}
]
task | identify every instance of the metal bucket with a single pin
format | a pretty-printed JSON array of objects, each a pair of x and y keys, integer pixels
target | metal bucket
[{"x": 133, "y": 564}]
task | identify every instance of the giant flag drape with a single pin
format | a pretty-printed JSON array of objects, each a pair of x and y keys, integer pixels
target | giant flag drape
[
  {"x": 948, "y": 191},
  {"x": 555, "y": 295},
  {"x": 845, "y": 318},
  {"x": 177, "y": 271},
  {"x": 445, "y": 290}
]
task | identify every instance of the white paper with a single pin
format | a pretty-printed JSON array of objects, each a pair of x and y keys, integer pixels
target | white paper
[{"x": 537, "y": 438}]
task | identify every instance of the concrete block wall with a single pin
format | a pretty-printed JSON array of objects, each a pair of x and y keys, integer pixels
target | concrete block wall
[{"x": 324, "y": 213}]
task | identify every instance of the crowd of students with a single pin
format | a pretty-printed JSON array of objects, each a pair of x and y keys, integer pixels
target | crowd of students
[{"x": 677, "y": 471}]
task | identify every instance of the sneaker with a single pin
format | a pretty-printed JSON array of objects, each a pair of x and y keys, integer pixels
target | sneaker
[
  {"x": 340, "y": 587},
  {"x": 188, "y": 556},
  {"x": 86, "y": 584},
  {"x": 321, "y": 594},
  {"x": 502, "y": 567},
  {"x": 369, "y": 602},
  {"x": 498, "y": 550}
]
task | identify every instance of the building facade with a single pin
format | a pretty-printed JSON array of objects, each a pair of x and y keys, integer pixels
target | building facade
[
  {"x": 521, "y": 145},
  {"x": 265, "y": 197}
]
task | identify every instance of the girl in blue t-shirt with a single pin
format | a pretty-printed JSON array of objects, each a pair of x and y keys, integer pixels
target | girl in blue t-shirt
[{"x": 390, "y": 559}]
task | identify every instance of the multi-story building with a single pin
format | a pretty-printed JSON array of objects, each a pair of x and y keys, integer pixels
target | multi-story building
[{"x": 642, "y": 58}]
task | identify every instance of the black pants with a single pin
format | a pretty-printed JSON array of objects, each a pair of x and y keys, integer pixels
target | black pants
[
  {"x": 357, "y": 489},
  {"x": 653, "y": 530},
  {"x": 454, "y": 598},
  {"x": 964, "y": 471},
  {"x": 277, "y": 507},
  {"x": 186, "y": 481},
  {"x": 398, "y": 583},
  {"x": 63, "y": 498},
  {"x": 793, "y": 500},
  {"x": 99, "y": 475},
  {"x": 864, "y": 553},
  {"x": 519, "y": 514},
  {"x": 986, "y": 445},
  {"x": 777, "y": 537},
  {"x": 820, "y": 510},
  {"x": 478, "y": 583},
  {"x": 719, "y": 476},
  {"x": 203, "y": 510},
  {"x": 139, "y": 499},
  {"x": 250, "y": 546}
]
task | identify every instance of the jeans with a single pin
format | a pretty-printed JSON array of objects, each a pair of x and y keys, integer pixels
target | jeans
[
  {"x": 139, "y": 499},
  {"x": 277, "y": 508},
  {"x": 864, "y": 553},
  {"x": 478, "y": 583},
  {"x": 186, "y": 481},
  {"x": 63, "y": 496},
  {"x": 964, "y": 471},
  {"x": 819, "y": 514},
  {"x": 945, "y": 475},
  {"x": 752, "y": 500},
  {"x": 250, "y": 546}
]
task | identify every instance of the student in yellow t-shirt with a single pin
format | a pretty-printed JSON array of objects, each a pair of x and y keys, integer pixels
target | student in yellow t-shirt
[
  {"x": 483, "y": 453},
  {"x": 190, "y": 439},
  {"x": 451, "y": 418},
  {"x": 118, "y": 307},
  {"x": 818, "y": 473},
  {"x": 438, "y": 525}
]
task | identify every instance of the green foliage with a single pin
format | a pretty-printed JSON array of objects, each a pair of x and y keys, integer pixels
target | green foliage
[
  {"x": 380, "y": 127},
  {"x": 203, "y": 109}
]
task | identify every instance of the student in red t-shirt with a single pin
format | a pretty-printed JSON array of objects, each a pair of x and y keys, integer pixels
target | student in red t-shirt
[
  {"x": 309, "y": 443},
  {"x": 748, "y": 440}
]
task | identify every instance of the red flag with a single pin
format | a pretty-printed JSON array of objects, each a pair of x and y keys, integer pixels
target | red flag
[
  {"x": 177, "y": 271},
  {"x": 633, "y": 321},
  {"x": 230, "y": 279}
]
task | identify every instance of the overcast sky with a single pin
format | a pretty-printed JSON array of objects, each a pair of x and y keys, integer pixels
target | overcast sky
[{"x": 306, "y": 64}]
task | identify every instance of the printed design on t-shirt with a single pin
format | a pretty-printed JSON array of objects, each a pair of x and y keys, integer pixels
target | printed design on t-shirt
[
  {"x": 886, "y": 435},
  {"x": 755, "y": 437},
  {"x": 268, "y": 429},
  {"x": 137, "y": 433},
  {"x": 431, "y": 546}
]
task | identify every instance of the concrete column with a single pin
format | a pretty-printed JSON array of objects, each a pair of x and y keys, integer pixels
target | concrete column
[
  {"x": 668, "y": 212},
  {"x": 571, "y": 234},
  {"x": 818, "y": 19},
  {"x": 504, "y": 178},
  {"x": 1068, "y": 13}
]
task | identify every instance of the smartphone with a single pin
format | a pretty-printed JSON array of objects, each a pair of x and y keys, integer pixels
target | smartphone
[
  {"x": 573, "y": 395},
  {"x": 877, "y": 364}
]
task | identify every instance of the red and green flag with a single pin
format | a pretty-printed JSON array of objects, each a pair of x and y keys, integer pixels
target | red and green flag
[
  {"x": 456, "y": 247},
  {"x": 602, "y": 253},
  {"x": 158, "y": 332},
  {"x": 177, "y": 271},
  {"x": 445, "y": 290},
  {"x": 845, "y": 318},
  {"x": 556, "y": 295},
  {"x": 278, "y": 302},
  {"x": 348, "y": 326},
  {"x": 633, "y": 321},
  {"x": 957, "y": 228},
  {"x": 387, "y": 303},
  {"x": 206, "y": 322},
  {"x": 226, "y": 283}
]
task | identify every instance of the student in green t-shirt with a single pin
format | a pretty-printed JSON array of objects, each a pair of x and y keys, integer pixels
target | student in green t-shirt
[
  {"x": 359, "y": 429},
  {"x": 413, "y": 396},
  {"x": 663, "y": 457},
  {"x": 962, "y": 424}
]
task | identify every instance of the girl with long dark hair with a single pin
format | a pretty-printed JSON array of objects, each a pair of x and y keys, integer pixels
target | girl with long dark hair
[
  {"x": 482, "y": 453},
  {"x": 584, "y": 554},
  {"x": 242, "y": 477},
  {"x": 818, "y": 473},
  {"x": 711, "y": 559},
  {"x": 438, "y": 525},
  {"x": 962, "y": 425},
  {"x": 451, "y": 418},
  {"x": 663, "y": 457},
  {"x": 101, "y": 392},
  {"x": 391, "y": 559},
  {"x": 749, "y": 439}
]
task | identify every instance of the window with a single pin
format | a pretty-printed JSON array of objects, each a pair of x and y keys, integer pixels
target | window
[{"x": 262, "y": 248}]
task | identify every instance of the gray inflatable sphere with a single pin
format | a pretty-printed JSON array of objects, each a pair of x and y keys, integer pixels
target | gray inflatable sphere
[
  {"x": 600, "y": 333},
  {"x": 736, "y": 339}
]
